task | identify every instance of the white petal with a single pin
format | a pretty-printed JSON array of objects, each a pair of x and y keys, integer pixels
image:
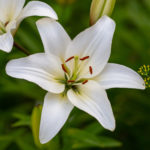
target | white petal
[
  {"x": 10, "y": 9},
  {"x": 118, "y": 76},
  {"x": 94, "y": 42},
  {"x": 54, "y": 37},
  {"x": 92, "y": 99},
  {"x": 40, "y": 69},
  {"x": 54, "y": 114},
  {"x": 37, "y": 8},
  {"x": 6, "y": 42}
]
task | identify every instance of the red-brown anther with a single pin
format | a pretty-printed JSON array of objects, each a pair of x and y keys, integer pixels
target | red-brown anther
[
  {"x": 63, "y": 67},
  {"x": 69, "y": 59},
  {"x": 71, "y": 81},
  {"x": 91, "y": 70},
  {"x": 84, "y": 58},
  {"x": 6, "y": 23},
  {"x": 85, "y": 82}
]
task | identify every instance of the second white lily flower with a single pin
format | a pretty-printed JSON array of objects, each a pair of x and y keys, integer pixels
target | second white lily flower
[
  {"x": 75, "y": 73},
  {"x": 11, "y": 15}
]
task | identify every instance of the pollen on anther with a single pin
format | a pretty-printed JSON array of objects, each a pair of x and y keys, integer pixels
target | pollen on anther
[
  {"x": 84, "y": 58},
  {"x": 71, "y": 81},
  {"x": 69, "y": 59},
  {"x": 63, "y": 67},
  {"x": 6, "y": 23},
  {"x": 91, "y": 70},
  {"x": 85, "y": 82}
]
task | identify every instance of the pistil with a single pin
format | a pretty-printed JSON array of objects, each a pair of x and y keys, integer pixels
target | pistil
[{"x": 74, "y": 76}]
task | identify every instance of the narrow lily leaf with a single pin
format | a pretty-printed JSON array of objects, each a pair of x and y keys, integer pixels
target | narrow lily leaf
[
  {"x": 23, "y": 120},
  {"x": 4, "y": 145},
  {"x": 23, "y": 145},
  {"x": 7, "y": 139},
  {"x": 35, "y": 124},
  {"x": 94, "y": 128},
  {"x": 100, "y": 8},
  {"x": 86, "y": 139}
]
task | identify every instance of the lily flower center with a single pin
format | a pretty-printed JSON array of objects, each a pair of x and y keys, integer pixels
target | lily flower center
[{"x": 72, "y": 75}]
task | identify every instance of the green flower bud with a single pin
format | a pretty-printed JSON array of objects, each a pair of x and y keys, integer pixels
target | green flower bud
[
  {"x": 100, "y": 8},
  {"x": 35, "y": 124}
]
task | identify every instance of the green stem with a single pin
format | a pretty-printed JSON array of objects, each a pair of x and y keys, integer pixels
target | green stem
[{"x": 22, "y": 49}]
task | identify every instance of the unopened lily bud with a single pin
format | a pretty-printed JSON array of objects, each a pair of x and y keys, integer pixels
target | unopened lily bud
[
  {"x": 100, "y": 8},
  {"x": 35, "y": 123}
]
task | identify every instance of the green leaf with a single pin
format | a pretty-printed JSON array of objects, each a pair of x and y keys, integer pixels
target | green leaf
[
  {"x": 23, "y": 120},
  {"x": 94, "y": 128},
  {"x": 7, "y": 139},
  {"x": 23, "y": 145},
  {"x": 4, "y": 145},
  {"x": 85, "y": 139}
]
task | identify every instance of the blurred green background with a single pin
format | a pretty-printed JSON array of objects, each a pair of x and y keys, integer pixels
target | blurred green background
[{"x": 131, "y": 47}]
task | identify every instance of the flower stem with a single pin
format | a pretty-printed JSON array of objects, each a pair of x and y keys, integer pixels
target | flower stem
[{"x": 22, "y": 49}]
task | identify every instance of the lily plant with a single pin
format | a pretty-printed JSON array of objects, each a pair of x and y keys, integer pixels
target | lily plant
[
  {"x": 75, "y": 73},
  {"x": 11, "y": 15}
]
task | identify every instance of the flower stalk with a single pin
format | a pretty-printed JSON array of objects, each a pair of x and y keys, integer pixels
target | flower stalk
[{"x": 22, "y": 49}]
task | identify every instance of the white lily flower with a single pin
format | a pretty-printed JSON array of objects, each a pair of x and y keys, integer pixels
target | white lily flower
[
  {"x": 11, "y": 15},
  {"x": 75, "y": 73}
]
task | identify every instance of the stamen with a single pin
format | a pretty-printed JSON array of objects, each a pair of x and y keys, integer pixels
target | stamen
[
  {"x": 6, "y": 23},
  {"x": 85, "y": 82},
  {"x": 71, "y": 80},
  {"x": 63, "y": 67},
  {"x": 84, "y": 58},
  {"x": 91, "y": 70},
  {"x": 69, "y": 59}
]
